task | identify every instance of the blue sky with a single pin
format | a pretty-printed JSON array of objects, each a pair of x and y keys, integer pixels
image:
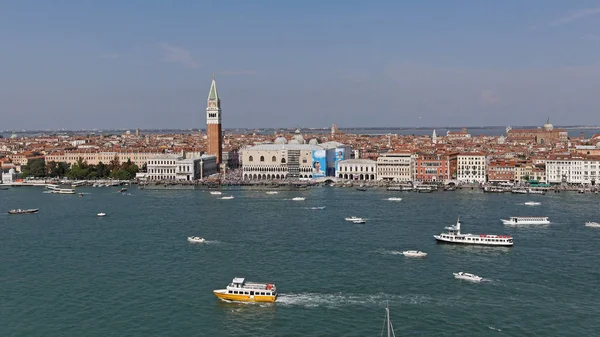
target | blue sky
[{"x": 148, "y": 64}]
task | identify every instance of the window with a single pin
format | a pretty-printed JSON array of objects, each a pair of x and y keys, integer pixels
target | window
[
  {"x": 250, "y": 158},
  {"x": 262, "y": 158},
  {"x": 283, "y": 160},
  {"x": 273, "y": 159}
]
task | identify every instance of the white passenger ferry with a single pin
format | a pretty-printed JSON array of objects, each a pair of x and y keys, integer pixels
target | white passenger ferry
[
  {"x": 526, "y": 220},
  {"x": 455, "y": 236},
  {"x": 242, "y": 291}
]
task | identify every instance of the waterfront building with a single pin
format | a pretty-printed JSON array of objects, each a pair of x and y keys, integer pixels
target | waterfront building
[
  {"x": 472, "y": 167},
  {"x": 213, "y": 123},
  {"x": 523, "y": 171},
  {"x": 501, "y": 171},
  {"x": 9, "y": 177},
  {"x": 573, "y": 169},
  {"x": 138, "y": 157},
  {"x": 395, "y": 167},
  {"x": 432, "y": 167},
  {"x": 177, "y": 168},
  {"x": 546, "y": 134},
  {"x": 280, "y": 161},
  {"x": 296, "y": 159},
  {"x": 357, "y": 169}
]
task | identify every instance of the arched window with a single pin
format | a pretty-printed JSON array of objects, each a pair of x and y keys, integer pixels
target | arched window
[
  {"x": 282, "y": 160},
  {"x": 262, "y": 158},
  {"x": 250, "y": 158},
  {"x": 273, "y": 159}
]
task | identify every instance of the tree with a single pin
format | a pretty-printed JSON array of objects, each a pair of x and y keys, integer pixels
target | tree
[
  {"x": 114, "y": 164},
  {"x": 35, "y": 168},
  {"x": 102, "y": 170}
]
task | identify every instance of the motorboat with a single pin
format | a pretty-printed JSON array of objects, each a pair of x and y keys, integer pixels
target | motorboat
[
  {"x": 23, "y": 211},
  {"x": 520, "y": 191},
  {"x": 453, "y": 235},
  {"x": 394, "y": 199},
  {"x": 63, "y": 191},
  {"x": 101, "y": 214},
  {"x": 535, "y": 191},
  {"x": 298, "y": 198},
  {"x": 359, "y": 221},
  {"x": 196, "y": 239},
  {"x": 592, "y": 224},
  {"x": 467, "y": 277},
  {"x": 414, "y": 253},
  {"x": 80, "y": 195},
  {"x": 272, "y": 192},
  {"x": 241, "y": 291},
  {"x": 526, "y": 220},
  {"x": 123, "y": 190},
  {"x": 216, "y": 192},
  {"x": 352, "y": 218},
  {"x": 532, "y": 203},
  {"x": 228, "y": 198}
]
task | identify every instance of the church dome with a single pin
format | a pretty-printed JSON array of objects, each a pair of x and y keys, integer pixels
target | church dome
[
  {"x": 280, "y": 140},
  {"x": 598, "y": 145},
  {"x": 13, "y": 136},
  {"x": 298, "y": 137},
  {"x": 313, "y": 141},
  {"x": 548, "y": 126}
]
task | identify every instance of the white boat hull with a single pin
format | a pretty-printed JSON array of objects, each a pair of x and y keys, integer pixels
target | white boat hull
[
  {"x": 440, "y": 239},
  {"x": 592, "y": 224},
  {"x": 472, "y": 278},
  {"x": 193, "y": 240},
  {"x": 509, "y": 222},
  {"x": 414, "y": 254}
]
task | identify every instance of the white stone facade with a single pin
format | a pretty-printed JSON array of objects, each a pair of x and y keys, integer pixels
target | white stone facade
[
  {"x": 573, "y": 171},
  {"x": 395, "y": 167},
  {"x": 174, "y": 167},
  {"x": 278, "y": 161},
  {"x": 471, "y": 167},
  {"x": 357, "y": 169}
]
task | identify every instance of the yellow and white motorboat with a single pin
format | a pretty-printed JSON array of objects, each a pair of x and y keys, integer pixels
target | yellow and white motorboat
[{"x": 242, "y": 291}]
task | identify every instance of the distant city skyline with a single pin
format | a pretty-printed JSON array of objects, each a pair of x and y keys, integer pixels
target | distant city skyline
[{"x": 114, "y": 65}]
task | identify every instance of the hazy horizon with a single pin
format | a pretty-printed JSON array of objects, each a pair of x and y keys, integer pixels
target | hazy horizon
[{"x": 119, "y": 65}]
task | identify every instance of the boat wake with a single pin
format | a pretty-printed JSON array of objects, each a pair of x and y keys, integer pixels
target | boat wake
[
  {"x": 212, "y": 242},
  {"x": 389, "y": 252},
  {"x": 394, "y": 199},
  {"x": 316, "y": 300},
  {"x": 319, "y": 207},
  {"x": 492, "y": 328},
  {"x": 531, "y": 203}
]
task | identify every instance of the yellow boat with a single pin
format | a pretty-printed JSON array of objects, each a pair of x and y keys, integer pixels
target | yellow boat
[{"x": 242, "y": 291}]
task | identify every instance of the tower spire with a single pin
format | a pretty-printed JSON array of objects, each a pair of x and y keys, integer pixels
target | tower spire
[{"x": 213, "y": 94}]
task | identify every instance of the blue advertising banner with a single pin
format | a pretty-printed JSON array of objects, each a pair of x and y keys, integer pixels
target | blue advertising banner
[
  {"x": 319, "y": 163},
  {"x": 340, "y": 154}
]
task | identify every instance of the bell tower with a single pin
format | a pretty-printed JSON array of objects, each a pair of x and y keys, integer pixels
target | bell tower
[{"x": 213, "y": 122}]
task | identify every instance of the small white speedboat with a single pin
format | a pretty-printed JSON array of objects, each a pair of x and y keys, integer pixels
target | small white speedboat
[
  {"x": 227, "y": 198},
  {"x": 298, "y": 198},
  {"x": 272, "y": 192},
  {"x": 592, "y": 224},
  {"x": 394, "y": 199},
  {"x": 414, "y": 253},
  {"x": 196, "y": 239},
  {"x": 216, "y": 192},
  {"x": 467, "y": 277},
  {"x": 101, "y": 214},
  {"x": 532, "y": 203},
  {"x": 352, "y": 218}
]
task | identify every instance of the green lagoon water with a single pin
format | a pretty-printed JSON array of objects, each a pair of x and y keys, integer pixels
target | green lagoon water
[{"x": 67, "y": 272}]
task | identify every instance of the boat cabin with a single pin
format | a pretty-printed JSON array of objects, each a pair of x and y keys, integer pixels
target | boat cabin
[{"x": 239, "y": 286}]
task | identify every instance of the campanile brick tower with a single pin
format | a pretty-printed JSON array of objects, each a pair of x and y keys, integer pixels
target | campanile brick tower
[{"x": 213, "y": 122}]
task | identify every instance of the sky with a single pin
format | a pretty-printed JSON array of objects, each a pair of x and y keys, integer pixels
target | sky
[{"x": 85, "y": 64}]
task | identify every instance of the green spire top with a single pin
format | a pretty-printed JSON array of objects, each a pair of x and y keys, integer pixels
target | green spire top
[{"x": 213, "y": 94}]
